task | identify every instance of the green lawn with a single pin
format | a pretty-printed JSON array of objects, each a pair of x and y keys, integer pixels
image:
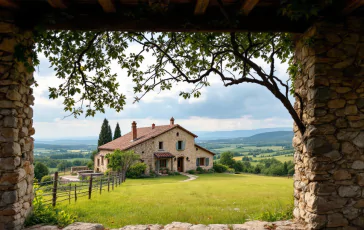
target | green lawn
[{"x": 212, "y": 198}]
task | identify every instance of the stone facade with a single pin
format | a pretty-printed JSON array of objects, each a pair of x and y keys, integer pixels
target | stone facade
[
  {"x": 147, "y": 149},
  {"x": 16, "y": 129},
  {"x": 329, "y": 159}
]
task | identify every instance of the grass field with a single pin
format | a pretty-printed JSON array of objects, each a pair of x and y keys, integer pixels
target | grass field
[{"x": 212, "y": 198}]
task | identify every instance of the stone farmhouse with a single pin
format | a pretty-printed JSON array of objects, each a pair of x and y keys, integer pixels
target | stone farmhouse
[{"x": 161, "y": 147}]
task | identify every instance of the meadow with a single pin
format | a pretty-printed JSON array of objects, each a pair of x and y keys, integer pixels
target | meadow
[{"x": 211, "y": 198}]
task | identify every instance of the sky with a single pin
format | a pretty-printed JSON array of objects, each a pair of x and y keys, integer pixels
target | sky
[{"x": 220, "y": 108}]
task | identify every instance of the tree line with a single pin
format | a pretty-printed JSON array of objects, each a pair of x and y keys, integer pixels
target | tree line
[{"x": 269, "y": 166}]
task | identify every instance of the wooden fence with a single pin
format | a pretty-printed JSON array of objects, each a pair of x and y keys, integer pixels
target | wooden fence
[{"x": 56, "y": 191}]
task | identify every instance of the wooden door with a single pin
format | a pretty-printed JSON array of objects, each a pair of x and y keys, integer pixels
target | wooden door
[{"x": 180, "y": 164}]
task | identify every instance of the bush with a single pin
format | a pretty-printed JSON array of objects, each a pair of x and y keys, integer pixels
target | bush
[
  {"x": 46, "y": 214},
  {"x": 231, "y": 170},
  {"x": 200, "y": 170},
  {"x": 46, "y": 179},
  {"x": 191, "y": 171},
  {"x": 210, "y": 170},
  {"x": 220, "y": 168},
  {"x": 40, "y": 170},
  {"x": 136, "y": 170}
]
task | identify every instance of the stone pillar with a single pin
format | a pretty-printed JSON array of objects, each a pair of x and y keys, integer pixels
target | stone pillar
[
  {"x": 16, "y": 128},
  {"x": 329, "y": 158}
]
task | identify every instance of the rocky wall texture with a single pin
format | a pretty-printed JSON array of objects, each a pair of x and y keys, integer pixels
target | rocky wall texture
[
  {"x": 16, "y": 129},
  {"x": 329, "y": 159}
]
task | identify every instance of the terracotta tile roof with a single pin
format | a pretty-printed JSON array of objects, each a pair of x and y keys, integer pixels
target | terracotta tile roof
[
  {"x": 144, "y": 133},
  {"x": 204, "y": 149},
  {"x": 163, "y": 155}
]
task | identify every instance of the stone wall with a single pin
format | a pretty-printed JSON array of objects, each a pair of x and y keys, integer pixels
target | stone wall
[
  {"x": 16, "y": 128},
  {"x": 329, "y": 170}
]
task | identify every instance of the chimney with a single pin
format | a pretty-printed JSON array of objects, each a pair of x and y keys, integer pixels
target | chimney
[
  {"x": 153, "y": 126},
  {"x": 134, "y": 130},
  {"x": 172, "y": 121}
]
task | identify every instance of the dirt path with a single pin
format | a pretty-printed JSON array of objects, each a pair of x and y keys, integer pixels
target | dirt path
[{"x": 190, "y": 176}]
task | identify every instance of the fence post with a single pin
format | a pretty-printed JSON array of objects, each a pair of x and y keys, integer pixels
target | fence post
[
  {"x": 69, "y": 194},
  {"x": 100, "y": 184},
  {"x": 90, "y": 188},
  {"x": 108, "y": 182},
  {"x": 113, "y": 178},
  {"x": 55, "y": 183},
  {"x": 76, "y": 192}
]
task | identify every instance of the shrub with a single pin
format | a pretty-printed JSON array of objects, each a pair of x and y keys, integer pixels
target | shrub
[
  {"x": 211, "y": 170},
  {"x": 231, "y": 170},
  {"x": 136, "y": 170},
  {"x": 176, "y": 173},
  {"x": 40, "y": 170},
  {"x": 200, "y": 170},
  {"x": 46, "y": 214},
  {"x": 46, "y": 179},
  {"x": 220, "y": 168},
  {"x": 191, "y": 171}
]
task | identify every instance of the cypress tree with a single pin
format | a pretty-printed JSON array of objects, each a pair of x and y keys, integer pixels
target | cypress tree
[
  {"x": 109, "y": 134},
  {"x": 103, "y": 136},
  {"x": 117, "y": 132}
]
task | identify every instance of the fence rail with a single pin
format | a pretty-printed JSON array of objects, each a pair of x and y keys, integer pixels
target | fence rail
[{"x": 56, "y": 191}]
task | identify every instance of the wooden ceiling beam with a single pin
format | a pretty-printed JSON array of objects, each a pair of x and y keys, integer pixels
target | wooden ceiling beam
[
  {"x": 352, "y": 5},
  {"x": 59, "y": 4},
  {"x": 248, "y": 6},
  {"x": 201, "y": 6},
  {"x": 108, "y": 5},
  {"x": 8, "y": 4}
]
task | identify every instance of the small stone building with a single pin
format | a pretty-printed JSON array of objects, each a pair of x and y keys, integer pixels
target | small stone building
[{"x": 161, "y": 147}]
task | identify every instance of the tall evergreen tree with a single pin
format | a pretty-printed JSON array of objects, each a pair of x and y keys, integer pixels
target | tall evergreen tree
[
  {"x": 117, "y": 132},
  {"x": 109, "y": 134},
  {"x": 104, "y": 133}
]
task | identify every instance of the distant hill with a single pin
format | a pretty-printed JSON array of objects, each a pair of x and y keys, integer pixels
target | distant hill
[
  {"x": 261, "y": 138},
  {"x": 217, "y": 135},
  {"x": 281, "y": 136},
  {"x": 67, "y": 142}
]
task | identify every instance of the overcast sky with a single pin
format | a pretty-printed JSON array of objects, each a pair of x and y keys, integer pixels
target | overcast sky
[{"x": 244, "y": 106}]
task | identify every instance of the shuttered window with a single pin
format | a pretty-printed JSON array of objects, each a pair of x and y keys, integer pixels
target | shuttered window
[
  {"x": 197, "y": 161},
  {"x": 207, "y": 161},
  {"x": 180, "y": 145}
]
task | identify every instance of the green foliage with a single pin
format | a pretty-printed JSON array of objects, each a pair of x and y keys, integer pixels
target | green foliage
[
  {"x": 117, "y": 132},
  {"x": 46, "y": 179},
  {"x": 220, "y": 168},
  {"x": 279, "y": 213},
  {"x": 40, "y": 170},
  {"x": 200, "y": 170},
  {"x": 191, "y": 171},
  {"x": 63, "y": 165},
  {"x": 136, "y": 170},
  {"x": 93, "y": 154},
  {"x": 227, "y": 158},
  {"x": 105, "y": 135},
  {"x": 230, "y": 170},
  {"x": 90, "y": 165},
  {"x": 121, "y": 161},
  {"x": 307, "y": 9},
  {"x": 45, "y": 214}
]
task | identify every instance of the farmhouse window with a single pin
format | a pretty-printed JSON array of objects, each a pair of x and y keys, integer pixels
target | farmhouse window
[
  {"x": 202, "y": 161},
  {"x": 98, "y": 162},
  {"x": 161, "y": 145},
  {"x": 163, "y": 163},
  {"x": 102, "y": 160},
  {"x": 180, "y": 145}
]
